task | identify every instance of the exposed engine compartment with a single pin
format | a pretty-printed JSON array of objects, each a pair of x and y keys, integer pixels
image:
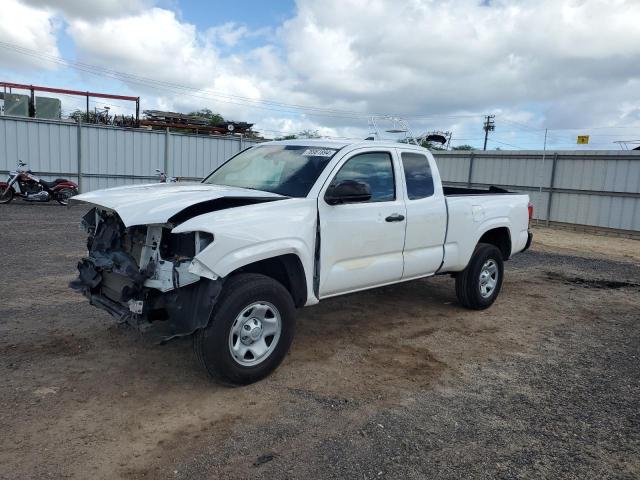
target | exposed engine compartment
[{"x": 139, "y": 274}]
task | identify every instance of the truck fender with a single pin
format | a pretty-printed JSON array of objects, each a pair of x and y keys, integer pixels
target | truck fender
[
  {"x": 491, "y": 224},
  {"x": 210, "y": 264},
  {"x": 458, "y": 255}
]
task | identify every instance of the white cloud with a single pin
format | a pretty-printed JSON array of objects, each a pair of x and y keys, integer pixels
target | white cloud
[
  {"x": 427, "y": 56},
  {"x": 228, "y": 33},
  {"x": 156, "y": 45},
  {"x": 88, "y": 9},
  {"x": 153, "y": 43},
  {"x": 548, "y": 63},
  {"x": 26, "y": 27}
]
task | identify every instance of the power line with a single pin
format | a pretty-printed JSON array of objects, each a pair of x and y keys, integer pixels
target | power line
[
  {"x": 542, "y": 129},
  {"x": 505, "y": 143},
  {"x": 81, "y": 103},
  {"x": 529, "y": 127},
  {"x": 211, "y": 94},
  {"x": 637, "y": 127},
  {"x": 184, "y": 89},
  {"x": 271, "y": 105}
]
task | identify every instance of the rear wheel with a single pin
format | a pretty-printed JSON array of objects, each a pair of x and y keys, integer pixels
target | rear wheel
[
  {"x": 250, "y": 331},
  {"x": 64, "y": 194},
  {"x": 6, "y": 194},
  {"x": 478, "y": 285}
]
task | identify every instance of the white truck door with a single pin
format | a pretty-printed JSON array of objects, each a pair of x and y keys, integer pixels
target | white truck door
[
  {"x": 426, "y": 215},
  {"x": 361, "y": 243}
]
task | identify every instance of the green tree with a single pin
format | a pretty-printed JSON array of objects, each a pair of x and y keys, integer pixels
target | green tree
[
  {"x": 463, "y": 147},
  {"x": 214, "y": 118},
  {"x": 82, "y": 116},
  {"x": 287, "y": 137},
  {"x": 92, "y": 116},
  {"x": 308, "y": 134}
]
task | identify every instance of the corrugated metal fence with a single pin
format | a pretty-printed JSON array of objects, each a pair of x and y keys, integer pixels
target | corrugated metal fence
[
  {"x": 596, "y": 188},
  {"x": 100, "y": 156}
]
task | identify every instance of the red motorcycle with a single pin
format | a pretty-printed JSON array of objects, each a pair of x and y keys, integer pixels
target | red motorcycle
[{"x": 24, "y": 184}]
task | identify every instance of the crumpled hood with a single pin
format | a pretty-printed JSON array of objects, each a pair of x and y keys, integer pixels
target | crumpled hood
[{"x": 157, "y": 202}]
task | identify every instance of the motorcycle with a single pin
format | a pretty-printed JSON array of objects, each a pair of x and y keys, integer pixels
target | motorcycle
[
  {"x": 164, "y": 178},
  {"x": 24, "y": 184}
]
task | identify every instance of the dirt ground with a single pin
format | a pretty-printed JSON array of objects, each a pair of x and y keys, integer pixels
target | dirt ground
[
  {"x": 586, "y": 245},
  {"x": 399, "y": 382}
]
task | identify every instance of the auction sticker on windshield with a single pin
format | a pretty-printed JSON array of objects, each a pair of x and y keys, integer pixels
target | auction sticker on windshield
[{"x": 319, "y": 152}]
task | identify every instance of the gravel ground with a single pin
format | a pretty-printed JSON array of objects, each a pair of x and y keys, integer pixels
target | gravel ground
[{"x": 399, "y": 382}]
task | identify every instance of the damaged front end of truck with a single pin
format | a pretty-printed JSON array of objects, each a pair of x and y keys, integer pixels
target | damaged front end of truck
[{"x": 140, "y": 274}]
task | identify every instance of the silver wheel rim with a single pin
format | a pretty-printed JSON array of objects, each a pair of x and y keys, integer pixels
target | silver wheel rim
[
  {"x": 255, "y": 334},
  {"x": 488, "y": 278}
]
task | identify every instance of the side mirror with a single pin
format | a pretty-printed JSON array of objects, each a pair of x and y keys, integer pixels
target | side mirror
[{"x": 348, "y": 191}]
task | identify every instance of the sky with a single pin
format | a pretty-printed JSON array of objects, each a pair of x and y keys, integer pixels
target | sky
[{"x": 570, "y": 67}]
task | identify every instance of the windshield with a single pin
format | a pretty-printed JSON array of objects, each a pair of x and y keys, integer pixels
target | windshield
[{"x": 289, "y": 170}]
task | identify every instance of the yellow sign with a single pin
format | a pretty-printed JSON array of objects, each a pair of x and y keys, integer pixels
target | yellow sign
[{"x": 583, "y": 139}]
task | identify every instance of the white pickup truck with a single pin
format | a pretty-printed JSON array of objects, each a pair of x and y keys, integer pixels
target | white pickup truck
[{"x": 283, "y": 225}]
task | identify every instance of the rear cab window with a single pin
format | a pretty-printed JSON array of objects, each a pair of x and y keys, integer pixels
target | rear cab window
[{"x": 417, "y": 174}]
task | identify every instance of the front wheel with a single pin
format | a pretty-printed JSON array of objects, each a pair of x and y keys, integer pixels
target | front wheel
[
  {"x": 6, "y": 194},
  {"x": 478, "y": 285},
  {"x": 250, "y": 330},
  {"x": 64, "y": 194}
]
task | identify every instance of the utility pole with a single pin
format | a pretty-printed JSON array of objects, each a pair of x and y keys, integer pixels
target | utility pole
[{"x": 489, "y": 126}]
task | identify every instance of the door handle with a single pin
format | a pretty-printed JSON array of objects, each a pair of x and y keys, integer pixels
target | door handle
[{"x": 396, "y": 217}]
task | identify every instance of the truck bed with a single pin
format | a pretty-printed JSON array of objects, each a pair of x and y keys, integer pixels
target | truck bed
[{"x": 473, "y": 211}]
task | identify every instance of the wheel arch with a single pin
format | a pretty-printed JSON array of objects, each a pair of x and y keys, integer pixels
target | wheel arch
[
  {"x": 500, "y": 237},
  {"x": 287, "y": 269}
]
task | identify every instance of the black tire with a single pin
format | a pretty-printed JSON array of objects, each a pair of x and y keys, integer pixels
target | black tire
[
  {"x": 211, "y": 344},
  {"x": 64, "y": 194},
  {"x": 469, "y": 284},
  {"x": 6, "y": 197}
]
